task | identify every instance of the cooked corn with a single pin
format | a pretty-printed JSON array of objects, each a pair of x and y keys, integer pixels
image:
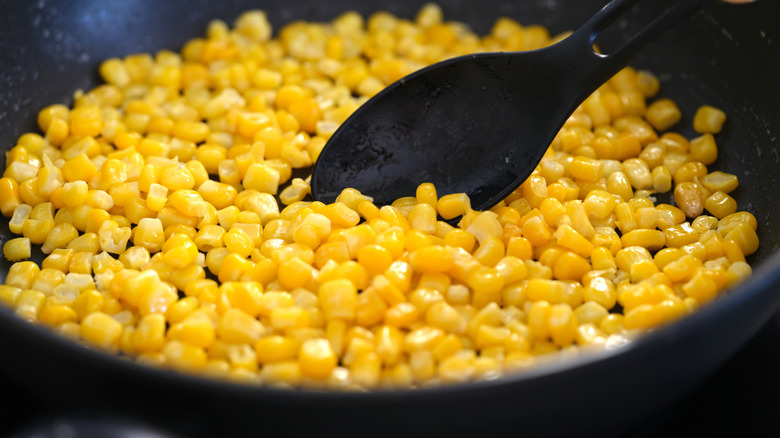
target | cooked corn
[{"x": 164, "y": 239}]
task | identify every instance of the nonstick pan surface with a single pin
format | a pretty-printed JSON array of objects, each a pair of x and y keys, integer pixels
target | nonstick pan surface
[{"x": 726, "y": 56}]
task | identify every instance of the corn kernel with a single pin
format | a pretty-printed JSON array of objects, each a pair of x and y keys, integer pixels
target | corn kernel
[
  {"x": 708, "y": 119},
  {"x": 17, "y": 249}
]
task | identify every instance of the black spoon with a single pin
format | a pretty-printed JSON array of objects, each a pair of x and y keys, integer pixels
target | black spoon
[{"x": 479, "y": 123}]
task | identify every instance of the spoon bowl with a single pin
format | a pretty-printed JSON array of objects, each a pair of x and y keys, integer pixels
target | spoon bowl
[{"x": 477, "y": 124}]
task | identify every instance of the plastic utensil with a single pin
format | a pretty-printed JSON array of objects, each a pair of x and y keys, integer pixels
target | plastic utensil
[{"x": 479, "y": 123}]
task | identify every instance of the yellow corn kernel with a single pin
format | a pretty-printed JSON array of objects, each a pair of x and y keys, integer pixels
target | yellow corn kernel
[
  {"x": 536, "y": 230},
  {"x": 602, "y": 258},
  {"x": 47, "y": 280},
  {"x": 236, "y": 326},
  {"x": 590, "y": 312},
  {"x": 85, "y": 121},
  {"x": 538, "y": 317},
  {"x": 289, "y": 318},
  {"x": 28, "y": 303},
  {"x": 57, "y": 131},
  {"x": 569, "y": 238},
  {"x": 688, "y": 196},
  {"x": 720, "y": 204},
  {"x": 287, "y": 372},
  {"x": 316, "y": 358},
  {"x": 484, "y": 225},
  {"x": 666, "y": 256},
  {"x": 181, "y": 277},
  {"x": 653, "y": 240},
  {"x": 295, "y": 273},
  {"x": 17, "y": 249},
  {"x": 708, "y": 119},
  {"x": 184, "y": 357},
  {"x": 720, "y": 181},
  {"x": 612, "y": 324},
  {"x": 195, "y": 132},
  {"x": 58, "y": 259},
  {"x": 149, "y": 334},
  {"x": 9, "y": 196},
  {"x": 263, "y": 178},
  {"x": 57, "y": 315},
  {"x": 47, "y": 115},
  {"x": 701, "y": 287},
  {"x": 729, "y": 222},
  {"x": 365, "y": 370},
  {"x": 79, "y": 168},
  {"x": 643, "y": 317},
  {"x": 431, "y": 259},
  {"x": 663, "y": 114},
  {"x": 422, "y": 217},
  {"x": 179, "y": 251},
  {"x": 738, "y": 272},
  {"x": 19, "y": 217},
  {"x": 338, "y": 299},
  {"x": 585, "y": 169},
  {"x": 403, "y": 314},
  {"x": 37, "y": 230},
  {"x": 682, "y": 269},
  {"x": 485, "y": 281},
  {"x": 562, "y": 324},
  {"x": 453, "y": 205},
  {"x": 680, "y": 235},
  {"x": 643, "y": 270},
  {"x": 101, "y": 330},
  {"x": 149, "y": 234},
  {"x": 618, "y": 184},
  {"x": 460, "y": 238},
  {"x": 375, "y": 258},
  {"x": 570, "y": 266},
  {"x": 539, "y": 289},
  {"x": 113, "y": 238},
  {"x": 745, "y": 236},
  {"x": 239, "y": 242},
  {"x": 370, "y": 309},
  {"x": 276, "y": 348},
  {"x": 638, "y": 173},
  {"x": 177, "y": 177},
  {"x": 59, "y": 237},
  {"x": 631, "y": 255},
  {"x": 689, "y": 171},
  {"x": 662, "y": 179},
  {"x": 188, "y": 202}
]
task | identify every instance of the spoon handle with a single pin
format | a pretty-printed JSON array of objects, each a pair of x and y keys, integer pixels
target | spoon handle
[{"x": 602, "y": 66}]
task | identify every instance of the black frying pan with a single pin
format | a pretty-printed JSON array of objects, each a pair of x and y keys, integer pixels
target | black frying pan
[{"x": 727, "y": 56}]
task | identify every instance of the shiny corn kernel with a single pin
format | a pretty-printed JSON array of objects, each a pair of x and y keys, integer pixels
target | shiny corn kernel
[
  {"x": 316, "y": 359},
  {"x": 708, "y": 119},
  {"x": 17, "y": 249},
  {"x": 663, "y": 114},
  {"x": 101, "y": 330}
]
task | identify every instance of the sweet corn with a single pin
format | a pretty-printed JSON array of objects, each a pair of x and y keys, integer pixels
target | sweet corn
[
  {"x": 708, "y": 119},
  {"x": 663, "y": 114},
  {"x": 17, "y": 249},
  {"x": 135, "y": 193}
]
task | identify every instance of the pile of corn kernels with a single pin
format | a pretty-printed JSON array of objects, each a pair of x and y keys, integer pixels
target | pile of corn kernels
[{"x": 176, "y": 234}]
